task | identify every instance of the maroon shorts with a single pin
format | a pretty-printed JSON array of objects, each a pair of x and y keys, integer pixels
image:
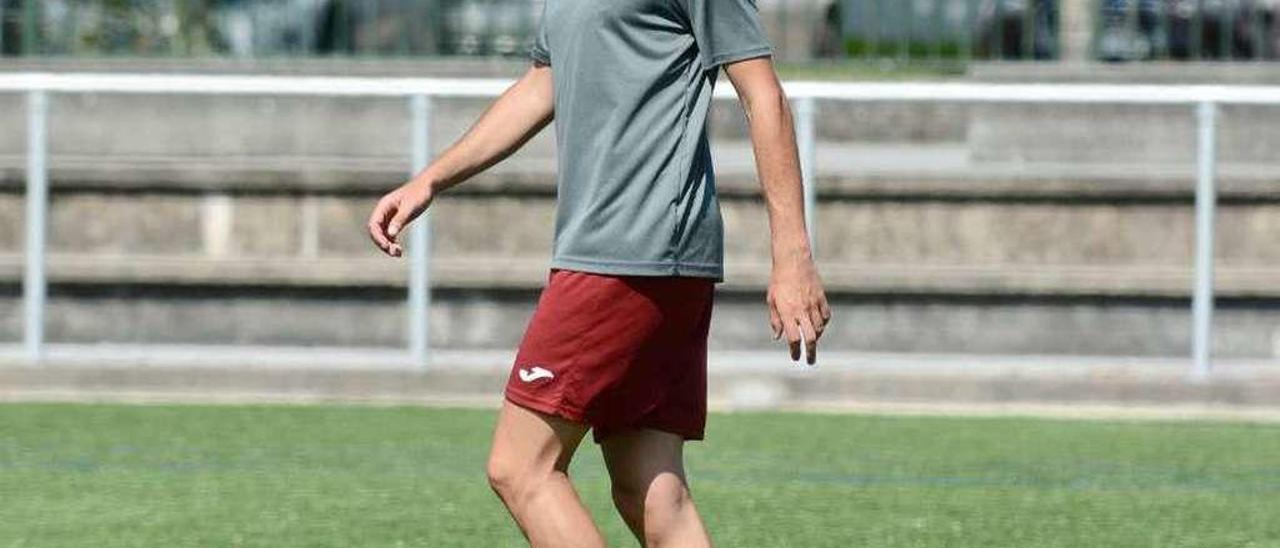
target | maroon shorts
[{"x": 618, "y": 352}]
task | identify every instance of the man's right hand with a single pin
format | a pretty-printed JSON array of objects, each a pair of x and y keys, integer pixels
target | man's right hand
[
  {"x": 394, "y": 212},
  {"x": 798, "y": 308}
]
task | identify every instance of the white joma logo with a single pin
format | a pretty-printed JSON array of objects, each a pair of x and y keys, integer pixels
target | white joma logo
[{"x": 534, "y": 373}]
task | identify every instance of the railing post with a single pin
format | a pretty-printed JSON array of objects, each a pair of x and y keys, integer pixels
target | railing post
[
  {"x": 806, "y": 143},
  {"x": 1078, "y": 29},
  {"x": 419, "y": 245},
  {"x": 1206, "y": 203},
  {"x": 34, "y": 284}
]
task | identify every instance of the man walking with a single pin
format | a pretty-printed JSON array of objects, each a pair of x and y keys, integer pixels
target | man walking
[{"x": 617, "y": 344}]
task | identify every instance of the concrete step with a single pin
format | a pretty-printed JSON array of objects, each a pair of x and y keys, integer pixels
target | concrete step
[
  {"x": 1108, "y": 386},
  {"x": 485, "y": 317},
  {"x": 207, "y": 130},
  {"x": 498, "y": 272},
  {"x": 844, "y": 170},
  {"x": 106, "y": 125},
  {"x": 942, "y": 245}
]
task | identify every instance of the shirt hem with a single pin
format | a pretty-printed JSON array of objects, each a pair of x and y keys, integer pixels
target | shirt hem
[
  {"x": 539, "y": 56},
  {"x": 739, "y": 55},
  {"x": 641, "y": 268}
]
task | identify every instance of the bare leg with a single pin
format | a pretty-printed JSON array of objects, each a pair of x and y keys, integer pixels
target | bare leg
[
  {"x": 650, "y": 490},
  {"x": 528, "y": 469}
]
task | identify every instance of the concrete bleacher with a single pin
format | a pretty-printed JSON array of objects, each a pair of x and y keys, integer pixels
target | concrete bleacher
[{"x": 942, "y": 228}]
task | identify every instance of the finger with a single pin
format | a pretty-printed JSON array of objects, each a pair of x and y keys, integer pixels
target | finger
[
  {"x": 826, "y": 310},
  {"x": 379, "y": 238},
  {"x": 810, "y": 340},
  {"x": 397, "y": 223},
  {"x": 817, "y": 321},
  {"x": 775, "y": 321},
  {"x": 791, "y": 330},
  {"x": 375, "y": 234},
  {"x": 383, "y": 210},
  {"x": 377, "y": 223}
]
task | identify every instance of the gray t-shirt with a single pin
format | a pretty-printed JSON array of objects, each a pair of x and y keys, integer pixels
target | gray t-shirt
[{"x": 633, "y": 82}]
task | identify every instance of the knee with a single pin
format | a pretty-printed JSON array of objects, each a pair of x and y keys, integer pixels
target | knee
[
  {"x": 656, "y": 500},
  {"x": 666, "y": 497},
  {"x": 515, "y": 480},
  {"x": 504, "y": 477},
  {"x": 628, "y": 498}
]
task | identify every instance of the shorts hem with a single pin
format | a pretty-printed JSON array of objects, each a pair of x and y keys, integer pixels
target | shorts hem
[
  {"x": 687, "y": 435},
  {"x": 598, "y": 432},
  {"x": 541, "y": 406}
]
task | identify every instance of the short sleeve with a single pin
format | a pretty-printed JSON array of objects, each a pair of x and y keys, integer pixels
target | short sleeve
[
  {"x": 540, "y": 49},
  {"x": 726, "y": 30}
]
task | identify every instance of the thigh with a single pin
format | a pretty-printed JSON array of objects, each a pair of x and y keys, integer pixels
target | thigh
[
  {"x": 531, "y": 440},
  {"x": 636, "y": 458}
]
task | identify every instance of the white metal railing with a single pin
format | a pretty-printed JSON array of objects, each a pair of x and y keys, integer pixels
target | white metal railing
[{"x": 418, "y": 92}]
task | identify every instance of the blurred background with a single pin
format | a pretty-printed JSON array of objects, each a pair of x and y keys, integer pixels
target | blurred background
[
  {"x": 984, "y": 236},
  {"x": 982, "y": 257},
  {"x": 898, "y": 31}
]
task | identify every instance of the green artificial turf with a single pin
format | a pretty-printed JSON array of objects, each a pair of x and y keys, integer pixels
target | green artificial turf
[{"x": 291, "y": 476}]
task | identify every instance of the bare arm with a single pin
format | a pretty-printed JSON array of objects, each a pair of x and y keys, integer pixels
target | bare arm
[
  {"x": 796, "y": 299},
  {"x": 515, "y": 117}
]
